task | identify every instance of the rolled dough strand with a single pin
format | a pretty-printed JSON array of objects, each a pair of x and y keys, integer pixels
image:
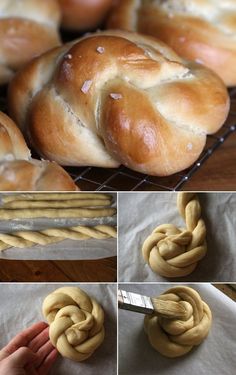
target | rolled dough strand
[
  {"x": 80, "y": 232},
  {"x": 55, "y": 196},
  {"x": 7, "y": 214},
  {"x": 98, "y": 232},
  {"x": 3, "y": 246},
  {"x": 58, "y": 204},
  {"x": 23, "y": 239}
]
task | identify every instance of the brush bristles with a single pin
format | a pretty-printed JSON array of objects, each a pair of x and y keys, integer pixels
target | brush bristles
[{"x": 170, "y": 309}]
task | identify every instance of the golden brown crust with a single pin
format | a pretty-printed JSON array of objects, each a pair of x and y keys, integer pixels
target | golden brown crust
[
  {"x": 117, "y": 97},
  {"x": 84, "y": 14},
  {"x": 26, "y": 30},
  {"x": 19, "y": 172},
  {"x": 196, "y": 30},
  {"x": 34, "y": 175},
  {"x": 12, "y": 143}
]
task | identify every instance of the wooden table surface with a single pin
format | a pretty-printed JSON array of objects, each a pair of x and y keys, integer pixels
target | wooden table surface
[
  {"x": 226, "y": 289},
  {"x": 101, "y": 270},
  {"x": 218, "y": 173}
]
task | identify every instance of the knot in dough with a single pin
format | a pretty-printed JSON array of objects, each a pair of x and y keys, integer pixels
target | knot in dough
[
  {"x": 175, "y": 252},
  {"x": 76, "y": 322},
  {"x": 174, "y": 337},
  {"x": 114, "y": 98}
]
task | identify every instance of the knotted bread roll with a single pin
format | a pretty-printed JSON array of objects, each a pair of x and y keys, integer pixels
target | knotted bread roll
[
  {"x": 200, "y": 30},
  {"x": 18, "y": 171},
  {"x": 175, "y": 252},
  {"x": 27, "y": 28},
  {"x": 83, "y": 14},
  {"x": 76, "y": 322},
  {"x": 174, "y": 337},
  {"x": 116, "y": 98}
]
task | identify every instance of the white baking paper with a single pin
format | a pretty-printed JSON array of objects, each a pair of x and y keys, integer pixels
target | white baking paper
[
  {"x": 141, "y": 213},
  {"x": 215, "y": 356},
  {"x": 21, "y": 306},
  {"x": 65, "y": 250}
]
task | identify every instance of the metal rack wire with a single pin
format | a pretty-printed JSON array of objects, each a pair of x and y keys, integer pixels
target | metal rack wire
[{"x": 123, "y": 179}]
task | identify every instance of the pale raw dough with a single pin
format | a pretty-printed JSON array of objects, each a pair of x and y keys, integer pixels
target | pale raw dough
[
  {"x": 7, "y": 214},
  {"x": 73, "y": 203},
  {"x": 24, "y": 239},
  {"x": 174, "y": 337},
  {"x": 175, "y": 252},
  {"x": 76, "y": 322},
  {"x": 54, "y": 196}
]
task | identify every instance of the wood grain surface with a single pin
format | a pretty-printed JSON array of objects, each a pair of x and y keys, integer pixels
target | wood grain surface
[
  {"x": 101, "y": 270},
  {"x": 219, "y": 172},
  {"x": 226, "y": 289}
]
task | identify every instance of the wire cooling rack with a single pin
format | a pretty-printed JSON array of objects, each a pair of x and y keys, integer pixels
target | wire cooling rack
[{"x": 123, "y": 179}]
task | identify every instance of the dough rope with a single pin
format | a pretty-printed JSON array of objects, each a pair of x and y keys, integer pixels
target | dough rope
[
  {"x": 175, "y": 252},
  {"x": 58, "y": 204},
  {"x": 76, "y": 322},
  {"x": 174, "y": 337},
  {"x": 7, "y": 214},
  {"x": 24, "y": 239},
  {"x": 54, "y": 196}
]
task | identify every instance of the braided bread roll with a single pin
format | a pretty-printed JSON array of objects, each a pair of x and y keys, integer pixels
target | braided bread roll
[
  {"x": 18, "y": 171},
  {"x": 27, "y": 28},
  {"x": 174, "y": 252},
  {"x": 174, "y": 337},
  {"x": 199, "y": 30},
  {"x": 116, "y": 98},
  {"x": 34, "y": 175},
  {"x": 83, "y": 14},
  {"x": 12, "y": 143},
  {"x": 76, "y": 322}
]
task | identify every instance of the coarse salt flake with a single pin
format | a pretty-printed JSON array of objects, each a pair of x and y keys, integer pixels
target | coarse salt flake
[
  {"x": 199, "y": 61},
  {"x": 115, "y": 96},
  {"x": 68, "y": 56},
  {"x": 86, "y": 86},
  {"x": 100, "y": 49},
  {"x": 190, "y": 146}
]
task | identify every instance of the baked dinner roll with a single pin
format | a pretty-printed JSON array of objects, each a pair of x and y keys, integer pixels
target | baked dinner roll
[
  {"x": 27, "y": 28},
  {"x": 18, "y": 171},
  {"x": 200, "y": 30},
  {"x": 12, "y": 143},
  {"x": 114, "y": 98},
  {"x": 76, "y": 322},
  {"x": 79, "y": 15},
  {"x": 34, "y": 175}
]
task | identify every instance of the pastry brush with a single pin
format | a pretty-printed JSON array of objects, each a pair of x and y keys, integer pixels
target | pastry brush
[{"x": 147, "y": 305}]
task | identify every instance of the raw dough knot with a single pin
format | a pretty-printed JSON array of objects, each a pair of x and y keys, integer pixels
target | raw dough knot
[
  {"x": 174, "y": 337},
  {"x": 76, "y": 322},
  {"x": 172, "y": 251}
]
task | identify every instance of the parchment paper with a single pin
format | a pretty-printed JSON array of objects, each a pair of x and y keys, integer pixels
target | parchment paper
[
  {"x": 141, "y": 213},
  {"x": 65, "y": 250},
  {"x": 215, "y": 356},
  {"x": 21, "y": 306}
]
